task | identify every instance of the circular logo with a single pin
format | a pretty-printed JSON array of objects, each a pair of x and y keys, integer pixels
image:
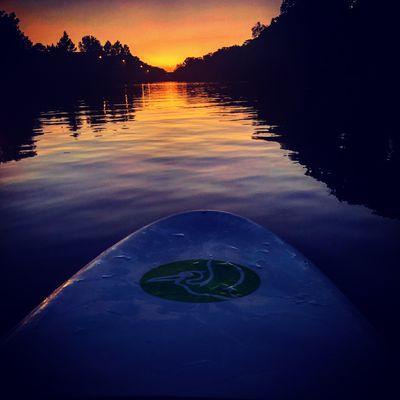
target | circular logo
[{"x": 200, "y": 281}]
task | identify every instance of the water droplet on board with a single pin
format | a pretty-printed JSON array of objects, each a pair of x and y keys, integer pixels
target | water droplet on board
[
  {"x": 263, "y": 251},
  {"x": 123, "y": 257},
  {"x": 178, "y": 234},
  {"x": 291, "y": 253}
]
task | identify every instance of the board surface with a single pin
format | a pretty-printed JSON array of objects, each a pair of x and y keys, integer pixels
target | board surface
[{"x": 201, "y": 304}]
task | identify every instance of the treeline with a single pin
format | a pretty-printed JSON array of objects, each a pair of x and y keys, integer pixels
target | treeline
[
  {"x": 330, "y": 51},
  {"x": 65, "y": 65}
]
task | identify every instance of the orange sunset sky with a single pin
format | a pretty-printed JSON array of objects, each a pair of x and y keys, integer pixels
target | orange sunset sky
[{"x": 161, "y": 32}]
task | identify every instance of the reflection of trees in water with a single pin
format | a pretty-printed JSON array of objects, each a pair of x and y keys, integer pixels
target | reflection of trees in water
[
  {"x": 19, "y": 127},
  {"x": 358, "y": 160},
  {"x": 118, "y": 106},
  {"x": 357, "y": 165},
  {"x": 74, "y": 121},
  {"x": 17, "y": 135}
]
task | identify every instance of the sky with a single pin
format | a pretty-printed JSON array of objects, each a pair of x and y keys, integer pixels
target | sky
[{"x": 161, "y": 32}]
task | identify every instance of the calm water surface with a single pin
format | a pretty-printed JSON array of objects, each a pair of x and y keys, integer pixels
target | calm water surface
[{"x": 87, "y": 173}]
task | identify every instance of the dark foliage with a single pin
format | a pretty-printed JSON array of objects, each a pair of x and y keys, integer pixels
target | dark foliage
[
  {"x": 35, "y": 68},
  {"x": 65, "y": 44},
  {"x": 330, "y": 53}
]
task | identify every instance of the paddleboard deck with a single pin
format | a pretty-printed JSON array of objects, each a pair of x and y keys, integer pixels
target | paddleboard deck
[{"x": 202, "y": 304}]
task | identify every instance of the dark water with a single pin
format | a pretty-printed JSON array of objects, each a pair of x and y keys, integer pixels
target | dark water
[{"x": 76, "y": 176}]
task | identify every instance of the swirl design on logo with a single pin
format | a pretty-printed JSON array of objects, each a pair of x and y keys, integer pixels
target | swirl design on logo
[{"x": 200, "y": 281}]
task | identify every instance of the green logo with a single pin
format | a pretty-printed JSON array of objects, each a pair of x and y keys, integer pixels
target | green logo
[{"x": 200, "y": 281}]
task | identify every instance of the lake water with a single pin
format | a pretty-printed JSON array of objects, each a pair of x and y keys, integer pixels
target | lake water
[{"x": 79, "y": 175}]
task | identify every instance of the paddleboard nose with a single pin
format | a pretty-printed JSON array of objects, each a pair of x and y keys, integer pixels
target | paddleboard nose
[{"x": 201, "y": 304}]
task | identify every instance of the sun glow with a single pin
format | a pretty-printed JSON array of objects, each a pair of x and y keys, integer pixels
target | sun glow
[{"x": 161, "y": 33}]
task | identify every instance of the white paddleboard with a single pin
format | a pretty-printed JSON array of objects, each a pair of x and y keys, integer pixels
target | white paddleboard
[{"x": 202, "y": 304}]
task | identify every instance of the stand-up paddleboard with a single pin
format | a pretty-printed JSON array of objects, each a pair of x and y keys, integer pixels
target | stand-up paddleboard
[{"x": 202, "y": 304}]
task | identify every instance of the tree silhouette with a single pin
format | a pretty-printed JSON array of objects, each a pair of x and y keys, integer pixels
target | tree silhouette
[
  {"x": 39, "y": 48},
  {"x": 302, "y": 54},
  {"x": 38, "y": 68},
  {"x": 117, "y": 49},
  {"x": 91, "y": 46},
  {"x": 126, "y": 51},
  {"x": 12, "y": 40},
  {"x": 257, "y": 29},
  {"x": 107, "y": 48},
  {"x": 287, "y": 5},
  {"x": 51, "y": 49},
  {"x": 65, "y": 44}
]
